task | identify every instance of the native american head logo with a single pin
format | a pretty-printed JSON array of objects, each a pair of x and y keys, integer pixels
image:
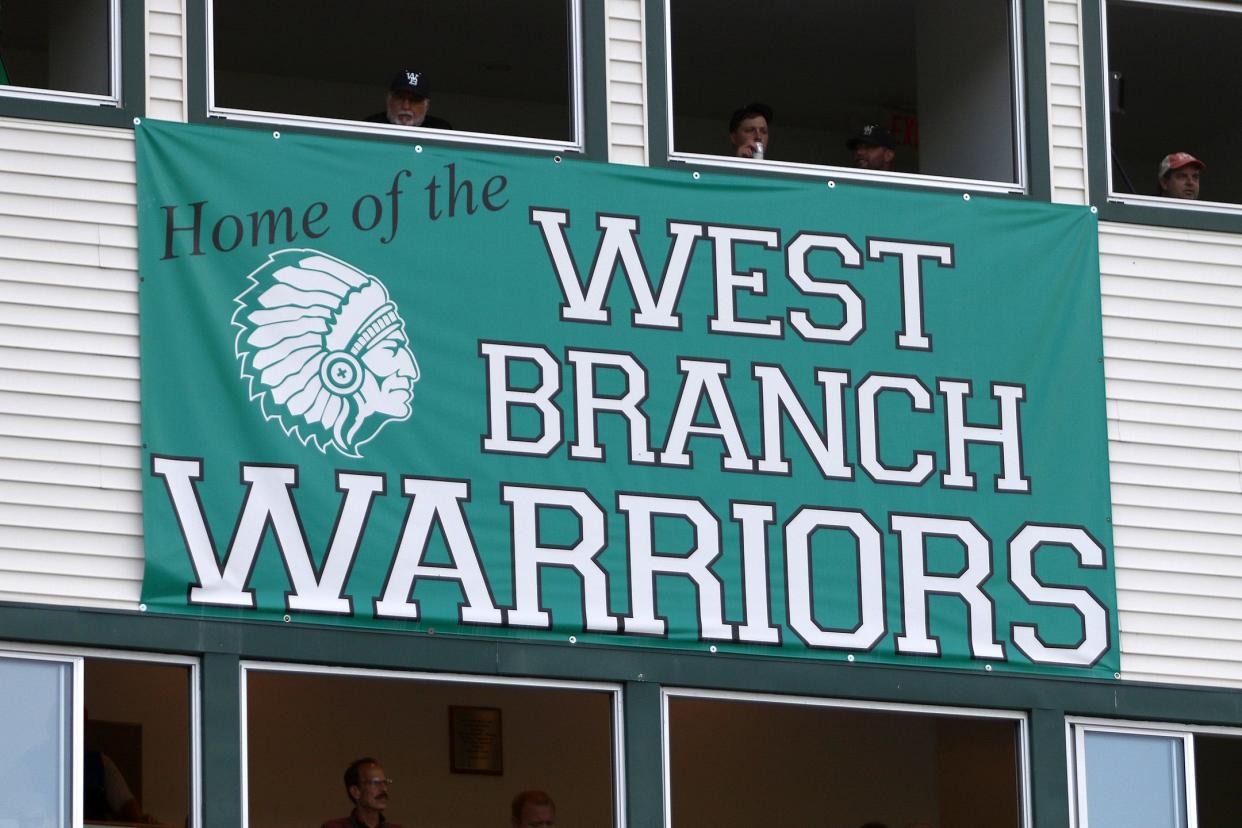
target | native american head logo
[{"x": 323, "y": 350}]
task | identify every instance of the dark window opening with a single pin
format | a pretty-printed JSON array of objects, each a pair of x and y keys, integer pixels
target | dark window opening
[
  {"x": 56, "y": 46},
  {"x": 821, "y": 765},
  {"x": 502, "y": 69},
  {"x": 440, "y": 742},
  {"x": 937, "y": 75},
  {"x": 137, "y": 728},
  {"x": 1171, "y": 82}
]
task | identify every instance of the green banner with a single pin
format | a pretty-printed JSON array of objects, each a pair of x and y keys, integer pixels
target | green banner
[{"x": 436, "y": 389}]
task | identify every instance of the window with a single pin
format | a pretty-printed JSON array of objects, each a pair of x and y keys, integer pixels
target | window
[
  {"x": 1158, "y": 776},
  {"x": 36, "y": 752},
  {"x": 941, "y": 77},
  {"x": 60, "y": 50},
  {"x": 1165, "y": 97},
  {"x": 497, "y": 72},
  {"x": 737, "y": 760},
  {"x": 93, "y": 739},
  {"x": 441, "y": 738}
]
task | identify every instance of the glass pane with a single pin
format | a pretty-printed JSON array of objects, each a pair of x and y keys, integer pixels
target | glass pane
[
  {"x": 35, "y": 743},
  {"x": 494, "y": 67},
  {"x": 916, "y": 71},
  {"x": 1135, "y": 780},
  {"x": 57, "y": 45},
  {"x": 824, "y": 766},
  {"x": 1166, "y": 100}
]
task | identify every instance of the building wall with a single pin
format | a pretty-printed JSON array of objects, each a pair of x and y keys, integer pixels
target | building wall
[{"x": 70, "y": 509}]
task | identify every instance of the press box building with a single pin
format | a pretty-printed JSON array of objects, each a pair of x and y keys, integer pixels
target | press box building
[{"x": 236, "y": 714}]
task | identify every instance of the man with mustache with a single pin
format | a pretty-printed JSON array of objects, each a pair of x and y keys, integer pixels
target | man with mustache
[{"x": 367, "y": 786}]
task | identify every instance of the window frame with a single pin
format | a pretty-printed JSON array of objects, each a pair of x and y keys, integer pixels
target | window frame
[
  {"x": 77, "y": 656},
  {"x": 1076, "y": 728},
  {"x": 203, "y": 109},
  {"x": 1018, "y": 717},
  {"x": 1126, "y": 207},
  {"x": 1030, "y": 119},
  {"x": 127, "y": 67},
  {"x": 613, "y": 689}
]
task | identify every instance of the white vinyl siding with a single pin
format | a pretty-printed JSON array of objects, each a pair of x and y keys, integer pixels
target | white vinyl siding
[
  {"x": 627, "y": 88},
  {"x": 166, "y": 93},
  {"x": 70, "y": 508},
  {"x": 1067, "y": 137},
  {"x": 1173, "y": 359}
]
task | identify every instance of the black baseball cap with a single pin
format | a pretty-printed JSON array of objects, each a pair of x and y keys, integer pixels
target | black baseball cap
[
  {"x": 411, "y": 82},
  {"x": 872, "y": 134}
]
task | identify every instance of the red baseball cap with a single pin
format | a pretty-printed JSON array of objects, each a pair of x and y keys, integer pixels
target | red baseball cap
[{"x": 1177, "y": 160}]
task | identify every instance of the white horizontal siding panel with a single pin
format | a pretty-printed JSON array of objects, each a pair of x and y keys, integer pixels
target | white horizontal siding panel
[
  {"x": 64, "y": 474},
  {"x": 69, "y": 363},
  {"x": 1161, "y": 669},
  {"x": 1157, "y": 310},
  {"x": 1069, "y": 116},
  {"x": 51, "y": 563},
  {"x": 1196, "y": 417},
  {"x": 54, "y": 140},
  {"x": 79, "y": 591},
  {"x": 67, "y": 341},
  {"x": 94, "y": 411},
  {"x": 69, "y": 168},
  {"x": 1174, "y": 544},
  {"x": 20, "y": 204},
  {"x": 1124, "y": 390},
  {"x": 42, "y": 185},
  {"x": 1172, "y": 435},
  {"x": 1175, "y": 478},
  {"x": 68, "y": 385},
  {"x": 165, "y": 61},
  {"x": 68, "y": 453},
  {"x": 90, "y": 498},
  {"x": 68, "y": 319},
  {"x": 35, "y": 294},
  {"x": 1061, "y": 32},
  {"x": 1170, "y": 457},
  {"x": 62, "y": 428},
  {"x": 1158, "y": 330},
  {"x": 69, "y": 542},
  {"x": 70, "y": 519},
  {"x": 58, "y": 274},
  {"x": 1199, "y": 563}
]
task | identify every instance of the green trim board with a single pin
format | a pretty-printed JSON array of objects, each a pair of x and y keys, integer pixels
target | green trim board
[
  {"x": 1099, "y": 158},
  {"x": 1035, "y": 114},
  {"x": 132, "y": 91},
  {"x": 789, "y": 446}
]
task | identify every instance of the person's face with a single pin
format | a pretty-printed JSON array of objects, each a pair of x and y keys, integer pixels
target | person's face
[
  {"x": 371, "y": 792},
  {"x": 394, "y": 370},
  {"x": 872, "y": 157},
  {"x": 1181, "y": 183},
  {"x": 536, "y": 816},
  {"x": 749, "y": 132},
  {"x": 407, "y": 109}
]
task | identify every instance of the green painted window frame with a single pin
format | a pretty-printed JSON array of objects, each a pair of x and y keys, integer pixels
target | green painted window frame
[
  {"x": 1035, "y": 113},
  {"x": 132, "y": 92},
  {"x": 220, "y": 647},
  {"x": 594, "y": 117},
  {"x": 1095, "y": 67}
]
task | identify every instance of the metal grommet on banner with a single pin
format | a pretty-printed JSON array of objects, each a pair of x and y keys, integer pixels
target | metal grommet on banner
[
  {"x": 1116, "y": 675},
  {"x": 831, "y": 184},
  {"x": 418, "y": 147},
  {"x": 965, "y": 196},
  {"x": 573, "y": 639},
  {"x": 695, "y": 176},
  {"x": 137, "y": 121},
  {"x": 556, "y": 159},
  {"x": 987, "y": 667},
  {"x": 286, "y": 619},
  {"x": 1095, "y": 209},
  {"x": 141, "y": 607},
  {"x": 712, "y": 649},
  {"x": 276, "y": 135},
  {"x": 849, "y": 657}
]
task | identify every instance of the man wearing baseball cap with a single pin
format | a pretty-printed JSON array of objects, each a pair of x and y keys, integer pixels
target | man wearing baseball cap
[
  {"x": 409, "y": 99},
  {"x": 1179, "y": 176},
  {"x": 873, "y": 148}
]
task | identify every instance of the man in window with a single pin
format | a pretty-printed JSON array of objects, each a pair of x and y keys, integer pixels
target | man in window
[
  {"x": 1179, "y": 176},
  {"x": 367, "y": 786},
  {"x": 533, "y": 809},
  {"x": 873, "y": 148},
  {"x": 409, "y": 100},
  {"x": 748, "y": 130}
]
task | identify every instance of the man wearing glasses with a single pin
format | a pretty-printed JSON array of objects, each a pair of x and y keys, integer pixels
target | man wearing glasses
[{"x": 367, "y": 786}]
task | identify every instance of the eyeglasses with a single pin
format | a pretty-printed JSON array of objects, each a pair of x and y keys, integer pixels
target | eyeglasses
[{"x": 377, "y": 781}]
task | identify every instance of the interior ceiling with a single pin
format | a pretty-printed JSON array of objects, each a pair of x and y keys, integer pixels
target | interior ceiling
[
  {"x": 499, "y": 48},
  {"x": 807, "y": 60}
]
